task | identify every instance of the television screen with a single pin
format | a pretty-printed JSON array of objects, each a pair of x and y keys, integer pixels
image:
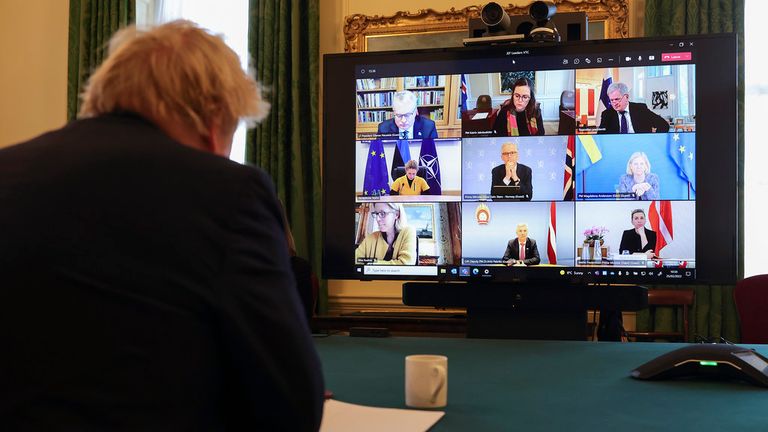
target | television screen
[{"x": 611, "y": 161}]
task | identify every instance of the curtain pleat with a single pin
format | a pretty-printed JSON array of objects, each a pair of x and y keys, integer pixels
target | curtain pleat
[
  {"x": 283, "y": 44},
  {"x": 714, "y": 312},
  {"x": 91, "y": 24}
]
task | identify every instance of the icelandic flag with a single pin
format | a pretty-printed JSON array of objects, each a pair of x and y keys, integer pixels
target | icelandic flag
[
  {"x": 552, "y": 234},
  {"x": 464, "y": 94},
  {"x": 589, "y": 152},
  {"x": 402, "y": 155},
  {"x": 660, "y": 217},
  {"x": 428, "y": 159},
  {"x": 682, "y": 150},
  {"x": 375, "y": 180}
]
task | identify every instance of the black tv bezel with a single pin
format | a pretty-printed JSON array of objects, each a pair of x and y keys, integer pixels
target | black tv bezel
[{"x": 716, "y": 211}]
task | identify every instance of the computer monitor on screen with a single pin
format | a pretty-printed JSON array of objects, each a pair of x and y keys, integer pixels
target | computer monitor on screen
[{"x": 617, "y": 196}]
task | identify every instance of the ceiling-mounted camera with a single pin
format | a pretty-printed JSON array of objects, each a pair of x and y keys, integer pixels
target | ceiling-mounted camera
[{"x": 496, "y": 26}]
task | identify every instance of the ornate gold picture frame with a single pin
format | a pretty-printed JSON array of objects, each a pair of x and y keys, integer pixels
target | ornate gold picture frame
[{"x": 428, "y": 28}]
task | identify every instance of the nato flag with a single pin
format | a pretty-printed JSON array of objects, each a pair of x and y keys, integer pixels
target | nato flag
[{"x": 428, "y": 159}]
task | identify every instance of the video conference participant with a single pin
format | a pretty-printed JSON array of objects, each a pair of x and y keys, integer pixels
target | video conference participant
[
  {"x": 639, "y": 238},
  {"x": 406, "y": 122},
  {"x": 521, "y": 251},
  {"x": 519, "y": 115},
  {"x": 628, "y": 117},
  {"x": 410, "y": 183},
  {"x": 166, "y": 301},
  {"x": 639, "y": 179},
  {"x": 512, "y": 173},
  {"x": 394, "y": 243}
]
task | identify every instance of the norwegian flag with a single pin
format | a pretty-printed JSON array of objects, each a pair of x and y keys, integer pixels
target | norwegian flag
[
  {"x": 568, "y": 177},
  {"x": 660, "y": 216},
  {"x": 552, "y": 234}
]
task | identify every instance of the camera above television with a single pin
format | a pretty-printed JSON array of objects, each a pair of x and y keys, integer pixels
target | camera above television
[{"x": 594, "y": 162}]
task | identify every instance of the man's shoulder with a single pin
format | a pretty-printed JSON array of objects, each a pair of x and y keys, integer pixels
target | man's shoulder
[
  {"x": 386, "y": 126},
  {"x": 426, "y": 121}
]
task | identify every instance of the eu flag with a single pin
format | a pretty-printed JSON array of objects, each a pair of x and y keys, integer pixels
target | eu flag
[
  {"x": 428, "y": 159},
  {"x": 375, "y": 181},
  {"x": 682, "y": 150}
]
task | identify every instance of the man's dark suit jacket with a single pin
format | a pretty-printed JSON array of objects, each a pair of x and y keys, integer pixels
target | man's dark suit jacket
[
  {"x": 524, "y": 173},
  {"x": 643, "y": 120},
  {"x": 146, "y": 286},
  {"x": 422, "y": 128},
  {"x": 531, "y": 251},
  {"x": 630, "y": 241}
]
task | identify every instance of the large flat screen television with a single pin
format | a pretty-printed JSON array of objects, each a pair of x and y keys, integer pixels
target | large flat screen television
[{"x": 596, "y": 162}]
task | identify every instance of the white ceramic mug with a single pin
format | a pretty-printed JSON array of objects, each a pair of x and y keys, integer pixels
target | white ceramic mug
[{"x": 426, "y": 381}]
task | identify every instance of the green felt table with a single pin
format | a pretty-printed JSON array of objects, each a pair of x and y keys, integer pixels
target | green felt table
[{"x": 496, "y": 385}]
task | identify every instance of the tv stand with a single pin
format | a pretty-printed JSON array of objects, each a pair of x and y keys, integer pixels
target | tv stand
[{"x": 526, "y": 310}]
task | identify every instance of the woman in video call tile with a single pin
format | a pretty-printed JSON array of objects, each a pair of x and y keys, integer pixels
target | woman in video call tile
[
  {"x": 520, "y": 115},
  {"x": 639, "y": 179},
  {"x": 394, "y": 243},
  {"x": 639, "y": 239},
  {"x": 410, "y": 183}
]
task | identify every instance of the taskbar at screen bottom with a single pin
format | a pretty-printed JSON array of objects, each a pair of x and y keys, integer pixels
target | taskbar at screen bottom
[{"x": 592, "y": 274}]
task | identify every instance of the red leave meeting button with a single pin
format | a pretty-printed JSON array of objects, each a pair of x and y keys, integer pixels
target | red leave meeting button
[{"x": 679, "y": 56}]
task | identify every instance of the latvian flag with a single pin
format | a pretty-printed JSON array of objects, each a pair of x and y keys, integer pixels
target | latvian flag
[{"x": 552, "y": 234}]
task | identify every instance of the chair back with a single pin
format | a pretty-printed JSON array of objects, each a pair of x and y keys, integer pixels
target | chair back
[
  {"x": 421, "y": 172},
  {"x": 678, "y": 298},
  {"x": 567, "y": 100},
  {"x": 483, "y": 103},
  {"x": 751, "y": 297}
]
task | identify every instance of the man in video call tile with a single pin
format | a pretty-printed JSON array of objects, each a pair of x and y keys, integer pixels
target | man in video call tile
[
  {"x": 512, "y": 173},
  {"x": 407, "y": 123},
  {"x": 521, "y": 251},
  {"x": 628, "y": 117}
]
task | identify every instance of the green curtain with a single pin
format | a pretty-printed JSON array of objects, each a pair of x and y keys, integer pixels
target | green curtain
[
  {"x": 91, "y": 24},
  {"x": 714, "y": 312},
  {"x": 283, "y": 44}
]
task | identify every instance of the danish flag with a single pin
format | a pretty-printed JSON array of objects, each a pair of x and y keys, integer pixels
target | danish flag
[{"x": 660, "y": 216}]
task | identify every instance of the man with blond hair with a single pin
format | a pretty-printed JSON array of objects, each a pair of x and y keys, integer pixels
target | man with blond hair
[{"x": 146, "y": 283}]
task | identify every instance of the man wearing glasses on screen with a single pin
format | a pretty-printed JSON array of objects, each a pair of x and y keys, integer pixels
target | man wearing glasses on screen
[
  {"x": 406, "y": 122},
  {"x": 624, "y": 116}
]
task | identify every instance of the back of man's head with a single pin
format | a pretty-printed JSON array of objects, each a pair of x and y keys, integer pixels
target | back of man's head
[{"x": 176, "y": 73}]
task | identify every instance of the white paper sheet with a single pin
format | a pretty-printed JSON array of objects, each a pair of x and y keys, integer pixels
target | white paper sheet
[
  {"x": 480, "y": 116},
  {"x": 341, "y": 417}
]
